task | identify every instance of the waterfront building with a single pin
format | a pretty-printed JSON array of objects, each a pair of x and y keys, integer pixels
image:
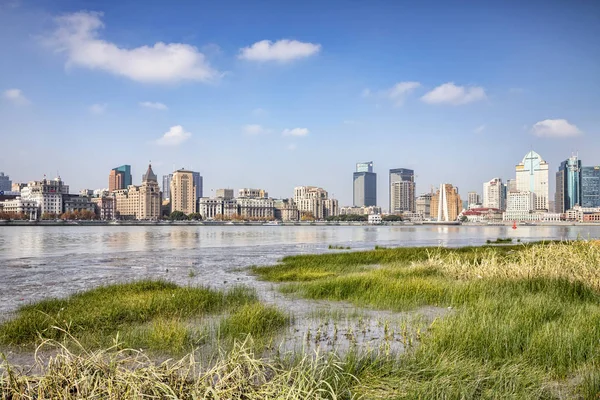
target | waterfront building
[
  {"x": 19, "y": 205},
  {"x": 360, "y": 210},
  {"x": 482, "y": 214},
  {"x": 77, "y": 203},
  {"x": 5, "y": 183},
  {"x": 166, "y": 186},
  {"x": 139, "y": 202},
  {"x": 446, "y": 203},
  {"x": 473, "y": 199},
  {"x": 590, "y": 186},
  {"x": 198, "y": 183},
  {"x": 285, "y": 210},
  {"x": 120, "y": 178},
  {"x": 364, "y": 185},
  {"x": 255, "y": 208},
  {"x": 253, "y": 193},
  {"x": 423, "y": 205},
  {"x": 183, "y": 192},
  {"x": 568, "y": 185},
  {"x": 374, "y": 219},
  {"x": 215, "y": 208},
  {"x": 48, "y": 194},
  {"x": 494, "y": 194},
  {"x": 104, "y": 207},
  {"x": 331, "y": 208},
  {"x": 402, "y": 190},
  {"x": 412, "y": 216},
  {"x": 225, "y": 193},
  {"x": 532, "y": 176},
  {"x": 312, "y": 202}
]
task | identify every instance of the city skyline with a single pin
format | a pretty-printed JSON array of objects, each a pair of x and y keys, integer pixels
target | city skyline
[{"x": 296, "y": 92}]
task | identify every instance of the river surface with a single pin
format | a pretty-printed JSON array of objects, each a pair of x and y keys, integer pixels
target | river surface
[{"x": 41, "y": 262}]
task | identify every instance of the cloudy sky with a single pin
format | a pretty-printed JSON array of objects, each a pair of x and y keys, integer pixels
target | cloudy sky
[{"x": 275, "y": 94}]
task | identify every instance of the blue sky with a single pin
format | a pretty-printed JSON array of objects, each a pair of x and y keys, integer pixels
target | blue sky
[{"x": 277, "y": 94}]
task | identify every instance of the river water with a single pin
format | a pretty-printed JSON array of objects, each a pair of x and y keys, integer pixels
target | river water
[{"x": 39, "y": 262}]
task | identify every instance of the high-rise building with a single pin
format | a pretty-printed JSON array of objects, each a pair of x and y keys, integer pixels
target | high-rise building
[
  {"x": 120, "y": 178},
  {"x": 532, "y": 176},
  {"x": 494, "y": 194},
  {"x": 402, "y": 190},
  {"x": 5, "y": 183},
  {"x": 590, "y": 186},
  {"x": 183, "y": 192},
  {"x": 139, "y": 202},
  {"x": 511, "y": 185},
  {"x": 364, "y": 185},
  {"x": 166, "y": 186},
  {"x": 198, "y": 184},
  {"x": 446, "y": 204},
  {"x": 473, "y": 198},
  {"x": 568, "y": 185}
]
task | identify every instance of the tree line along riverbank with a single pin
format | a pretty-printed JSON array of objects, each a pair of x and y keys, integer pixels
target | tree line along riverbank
[{"x": 523, "y": 322}]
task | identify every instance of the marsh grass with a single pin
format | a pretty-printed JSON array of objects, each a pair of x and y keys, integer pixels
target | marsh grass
[
  {"x": 116, "y": 373},
  {"x": 255, "y": 319},
  {"x": 526, "y": 320},
  {"x": 149, "y": 314}
]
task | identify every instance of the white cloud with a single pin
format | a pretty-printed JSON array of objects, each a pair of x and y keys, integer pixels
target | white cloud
[
  {"x": 479, "y": 129},
  {"x": 16, "y": 96},
  {"x": 259, "y": 112},
  {"x": 349, "y": 122},
  {"x": 77, "y": 37},
  {"x": 292, "y": 146},
  {"x": 295, "y": 132},
  {"x": 400, "y": 90},
  {"x": 98, "y": 109},
  {"x": 366, "y": 92},
  {"x": 449, "y": 93},
  {"x": 555, "y": 128},
  {"x": 154, "y": 105},
  {"x": 254, "y": 130},
  {"x": 281, "y": 50},
  {"x": 175, "y": 136}
]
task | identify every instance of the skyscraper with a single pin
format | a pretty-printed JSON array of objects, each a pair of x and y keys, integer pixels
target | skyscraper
[
  {"x": 446, "y": 203},
  {"x": 590, "y": 186},
  {"x": 402, "y": 190},
  {"x": 568, "y": 185},
  {"x": 183, "y": 192},
  {"x": 532, "y": 176},
  {"x": 120, "y": 178},
  {"x": 166, "y": 186},
  {"x": 365, "y": 185},
  {"x": 494, "y": 194},
  {"x": 198, "y": 184}
]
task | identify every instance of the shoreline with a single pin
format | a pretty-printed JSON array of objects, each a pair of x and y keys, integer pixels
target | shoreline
[{"x": 250, "y": 223}]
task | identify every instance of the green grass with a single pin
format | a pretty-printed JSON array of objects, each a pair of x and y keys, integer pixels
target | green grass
[
  {"x": 147, "y": 314},
  {"x": 255, "y": 319},
  {"x": 525, "y": 320},
  {"x": 338, "y": 247}
]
